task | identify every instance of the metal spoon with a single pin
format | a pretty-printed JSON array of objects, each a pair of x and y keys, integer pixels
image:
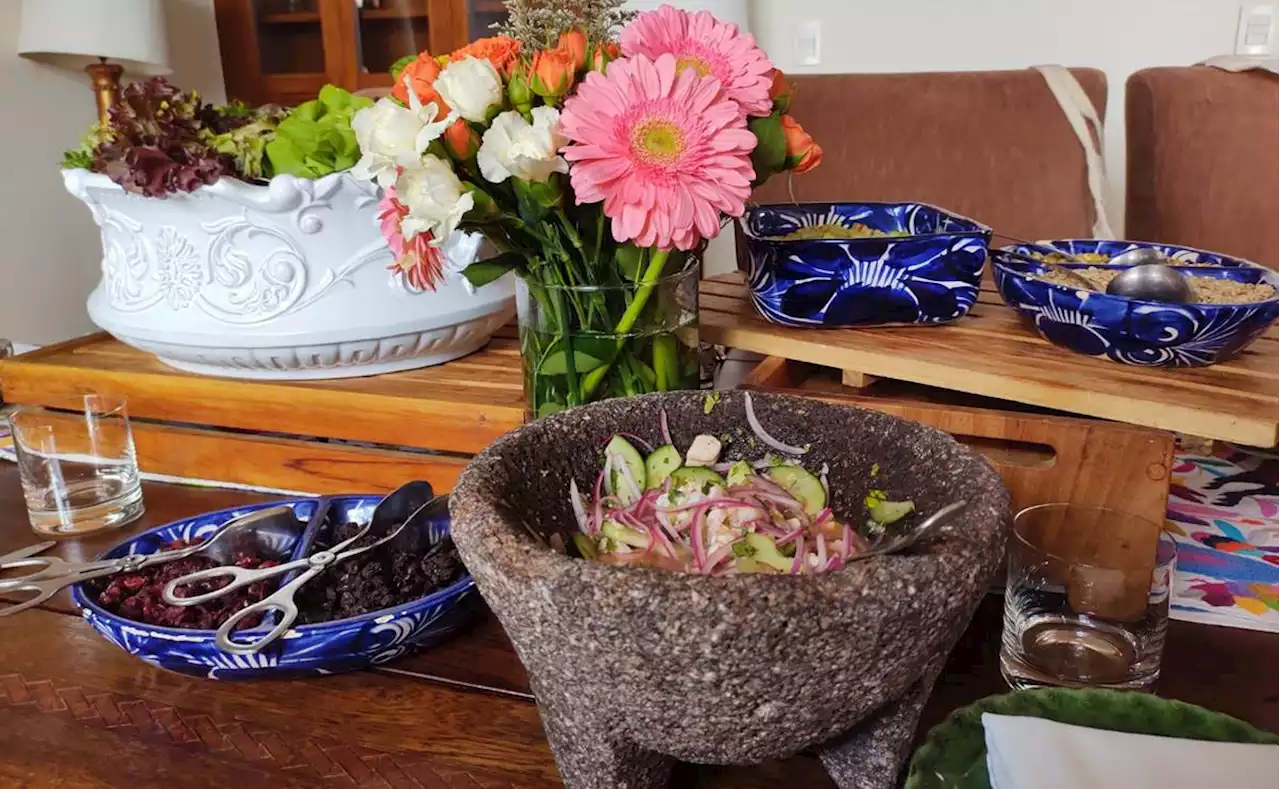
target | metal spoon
[
  {"x": 1140, "y": 256},
  {"x": 900, "y": 541},
  {"x": 1076, "y": 280},
  {"x": 1043, "y": 249},
  {"x": 1152, "y": 282}
]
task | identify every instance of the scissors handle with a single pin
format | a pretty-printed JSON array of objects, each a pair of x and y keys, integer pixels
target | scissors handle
[{"x": 281, "y": 600}]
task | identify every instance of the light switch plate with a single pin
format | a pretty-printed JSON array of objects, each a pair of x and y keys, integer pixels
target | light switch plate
[
  {"x": 809, "y": 43},
  {"x": 1256, "y": 30}
]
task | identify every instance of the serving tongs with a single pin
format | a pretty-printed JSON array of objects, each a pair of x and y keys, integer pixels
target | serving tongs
[
  {"x": 52, "y": 574},
  {"x": 281, "y": 601}
]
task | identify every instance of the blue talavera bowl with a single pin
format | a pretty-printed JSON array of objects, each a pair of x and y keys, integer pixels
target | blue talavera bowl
[
  {"x": 305, "y": 650},
  {"x": 928, "y": 276},
  {"x": 1132, "y": 331}
]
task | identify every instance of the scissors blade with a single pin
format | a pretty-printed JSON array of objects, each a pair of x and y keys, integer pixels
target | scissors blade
[{"x": 23, "y": 553}]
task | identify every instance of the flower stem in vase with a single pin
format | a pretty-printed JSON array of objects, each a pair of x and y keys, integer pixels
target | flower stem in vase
[{"x": 628, "y": 319}]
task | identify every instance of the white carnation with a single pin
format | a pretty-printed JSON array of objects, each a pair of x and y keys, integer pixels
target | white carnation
[
  {"x": 470, "y": 86},
  {"x": 391, "y": 136},
  {"x": 435, "y": 198},
  {"x": 513, "y": 146}
]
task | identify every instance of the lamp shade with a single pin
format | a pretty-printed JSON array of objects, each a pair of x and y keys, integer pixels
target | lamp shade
[
  {"x": 75, "y": 33},
  {"x": 734, "y": 11}
]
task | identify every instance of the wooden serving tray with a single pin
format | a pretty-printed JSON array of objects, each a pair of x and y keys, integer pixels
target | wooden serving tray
[
  {"x": 346, "y": 435},
  {"x": 993, "y": 353}
]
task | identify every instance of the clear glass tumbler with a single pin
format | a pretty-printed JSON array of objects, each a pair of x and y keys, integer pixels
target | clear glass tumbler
[
  {"x": 79, "y": 471},
  {"x": 1086, "y": 600}
]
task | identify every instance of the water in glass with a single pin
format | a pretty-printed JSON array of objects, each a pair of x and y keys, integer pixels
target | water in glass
[{"x": 79, "y": 471}]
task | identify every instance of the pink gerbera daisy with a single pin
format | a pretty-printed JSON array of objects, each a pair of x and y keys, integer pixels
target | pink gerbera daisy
[
  {"x": 419, "y": 262},
  {"x": 708, "y": 46},
  {"x": 665, "y": 150}
]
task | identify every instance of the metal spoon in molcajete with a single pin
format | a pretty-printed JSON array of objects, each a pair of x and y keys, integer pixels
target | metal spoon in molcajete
[{"x": 895, "y": 541}]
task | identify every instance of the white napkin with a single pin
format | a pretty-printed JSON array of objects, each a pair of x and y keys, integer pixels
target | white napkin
[{"x": 1034, "y": 753}]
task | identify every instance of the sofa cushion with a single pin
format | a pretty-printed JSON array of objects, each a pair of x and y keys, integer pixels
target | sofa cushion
[
  {"x": 991, "y": 145},
  {"x": 1201, "y": 160}
]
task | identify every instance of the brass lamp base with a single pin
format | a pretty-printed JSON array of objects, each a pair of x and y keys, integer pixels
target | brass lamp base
[{"x": 106, "y": 86}]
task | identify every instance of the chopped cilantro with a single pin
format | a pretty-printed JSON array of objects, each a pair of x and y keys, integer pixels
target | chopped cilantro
[
  {"x": 741, "y": 549},
  {"x": 875, "y": 469},
  {"x": 788, "y": 550},
  {"x": 709, "y": 401}
]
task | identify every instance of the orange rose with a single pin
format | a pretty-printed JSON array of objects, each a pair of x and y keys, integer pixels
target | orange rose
[
  {"x": 603, "y": 55},
  {"x": 575, "y": 43},
  {"x": 552, "y": 73},
  {"x": 421, "y": 74},
  {"x": 780, "y": 91},
  {"x": 803, "y": 154},
  {"x": 501, "y": 51},
  {"x": 461, "y": 141}
]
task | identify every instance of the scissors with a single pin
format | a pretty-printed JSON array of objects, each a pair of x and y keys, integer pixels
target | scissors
[
  {"x": 281, "y": 600},
  {"x": 53, "y": 574}
]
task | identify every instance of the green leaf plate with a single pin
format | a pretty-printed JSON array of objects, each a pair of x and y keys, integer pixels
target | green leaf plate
[{"x": 954, "y": 753}]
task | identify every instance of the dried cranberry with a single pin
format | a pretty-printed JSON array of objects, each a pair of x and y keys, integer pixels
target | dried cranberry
[{"x": 133, "y": 582}]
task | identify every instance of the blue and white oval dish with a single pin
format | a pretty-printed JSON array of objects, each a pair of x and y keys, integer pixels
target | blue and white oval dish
[
  {"x": 305, "y": 650},
  {"x": 928, "y": 275},
  {"x": 1133, "y": 331}
]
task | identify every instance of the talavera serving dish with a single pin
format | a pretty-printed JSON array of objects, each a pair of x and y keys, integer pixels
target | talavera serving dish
[
  {"x": 305, "y": 650},
  {"x": 634, "y": 668},
  {"x": 1132, "y": 331},
  {"x": 927, "y": 272}
]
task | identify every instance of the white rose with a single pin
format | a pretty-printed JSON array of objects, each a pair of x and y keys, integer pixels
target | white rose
[
  {"x": 435, "y": 198},
  {"x": 391, "y": 136},
  {"x": 470, "y": 86},
  {"x": 511, "y": 146}
]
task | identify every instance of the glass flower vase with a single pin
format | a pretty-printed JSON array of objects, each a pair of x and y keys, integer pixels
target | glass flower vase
[{"x": 580, "y": 344}]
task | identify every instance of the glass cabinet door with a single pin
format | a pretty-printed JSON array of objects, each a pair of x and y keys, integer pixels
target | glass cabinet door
[
  {"x": 289, "y": 37},
  {"x": 387, "y": 30},
  {"x": 482, "y": 15}
]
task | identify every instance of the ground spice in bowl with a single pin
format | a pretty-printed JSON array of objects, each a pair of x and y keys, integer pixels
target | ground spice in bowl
[{"x": 1207, "y": 290}]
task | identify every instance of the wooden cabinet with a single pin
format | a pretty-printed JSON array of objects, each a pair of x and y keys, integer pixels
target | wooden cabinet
[{"x": 284, "y": 51}]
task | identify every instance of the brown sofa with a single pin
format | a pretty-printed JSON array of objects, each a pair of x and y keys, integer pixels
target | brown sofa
[
  {"x": 992, "y": 145},
  {"x": 1201, "y": 160}
]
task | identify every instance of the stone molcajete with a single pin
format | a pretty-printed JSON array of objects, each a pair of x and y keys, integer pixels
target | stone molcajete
[{"x": 635, "y": 667}]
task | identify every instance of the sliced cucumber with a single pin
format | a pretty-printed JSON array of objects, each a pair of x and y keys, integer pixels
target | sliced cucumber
[
  {"x": 740, "y": 472},
  {"x": 801, "y": 484},
  {"x": 886, "y": 512},
  {"x": 765, "y": 552},
  {"x": 585, "y": 545},
  {"x": 624, "y": 534},
  {"x": 702, "y": 476},
  {"x": 659, "y": 465},
  {"x": 622, "y": 451}
]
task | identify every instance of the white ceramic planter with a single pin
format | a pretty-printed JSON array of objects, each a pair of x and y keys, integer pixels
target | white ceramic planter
[{"x": 284, "y": 281}]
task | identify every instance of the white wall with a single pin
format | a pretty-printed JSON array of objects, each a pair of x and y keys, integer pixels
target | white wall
[
  {"x": 1117, "y": 36},
  {"x": 49, "y": 247}
]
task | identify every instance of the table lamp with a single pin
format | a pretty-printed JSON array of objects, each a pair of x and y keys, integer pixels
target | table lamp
[{"x": 89, "y": 33}]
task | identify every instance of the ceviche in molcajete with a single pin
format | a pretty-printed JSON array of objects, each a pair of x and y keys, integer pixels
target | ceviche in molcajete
[{"x": 693, "y": 512}]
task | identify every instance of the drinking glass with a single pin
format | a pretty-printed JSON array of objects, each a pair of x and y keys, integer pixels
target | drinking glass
[
  {"x": 79, "y": 471},
  {"x": 1086, "y": 600}
]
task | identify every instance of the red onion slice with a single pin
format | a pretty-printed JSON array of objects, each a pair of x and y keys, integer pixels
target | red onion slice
[
  {"x": 662, "y": 425},
  {"x": 579, "y": 509},
  {"x": 762, "y": 435},
  {"x": 797, "y": 566}
]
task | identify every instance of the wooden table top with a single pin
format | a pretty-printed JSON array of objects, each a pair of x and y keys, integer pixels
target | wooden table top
[
  {"x": 76, "y": 712},
  {"x": 993, "y": 353}
]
